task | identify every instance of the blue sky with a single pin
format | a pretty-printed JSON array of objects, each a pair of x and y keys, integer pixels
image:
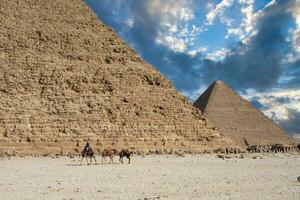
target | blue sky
[{"x": 252, "y": 45}]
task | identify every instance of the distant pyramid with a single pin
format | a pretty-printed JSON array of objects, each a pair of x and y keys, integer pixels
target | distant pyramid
[
  {"x": 66, "y": 78},
  {"x": 237, "y": 118}
]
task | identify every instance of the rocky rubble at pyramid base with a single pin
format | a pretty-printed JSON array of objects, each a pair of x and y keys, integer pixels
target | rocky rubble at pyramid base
[
  {"x": 274, "y": 148},
  {"x": 63, "y": 149},
  {"x": 68, "y": 149}
]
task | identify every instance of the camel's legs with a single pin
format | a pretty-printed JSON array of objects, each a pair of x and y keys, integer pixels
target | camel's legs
[
  {"x": 128, "y": 159},
  {"x": 95, "y": 159},
  {"x": 111, "y": 160},
  {"x": 81, "y": 160},
  {"x": 87, "y": 162},
  {"x": 121, "y": 159}
]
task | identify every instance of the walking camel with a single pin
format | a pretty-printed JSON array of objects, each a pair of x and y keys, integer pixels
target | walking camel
[
  {"x": 88, "y": 154},
  {"x": 124, "y": 153},
  {"x": 108, "y": 153}
]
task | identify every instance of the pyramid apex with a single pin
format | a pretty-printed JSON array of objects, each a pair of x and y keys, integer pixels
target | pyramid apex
[{"x": 218, "y": 82}]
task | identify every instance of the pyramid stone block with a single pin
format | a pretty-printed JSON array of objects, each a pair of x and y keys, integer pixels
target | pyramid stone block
[{"x": 67, "y": 78}]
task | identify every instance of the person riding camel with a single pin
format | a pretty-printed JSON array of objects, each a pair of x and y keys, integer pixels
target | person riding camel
[
  {"x": 87, "y": 147},
  {"x": 86, "y": 153}
]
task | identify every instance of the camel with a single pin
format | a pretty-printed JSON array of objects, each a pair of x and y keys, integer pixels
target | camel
[
  {"x": 86, "y": 154},
  {"x": 108, "y": 153},
  {"x": 124, "y": 153}
]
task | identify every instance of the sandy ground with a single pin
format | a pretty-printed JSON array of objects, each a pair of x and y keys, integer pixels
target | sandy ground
[{"x": 152, "y": 177}]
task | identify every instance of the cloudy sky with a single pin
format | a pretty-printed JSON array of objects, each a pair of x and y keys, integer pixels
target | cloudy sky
[{"x": 252, "y": 45}]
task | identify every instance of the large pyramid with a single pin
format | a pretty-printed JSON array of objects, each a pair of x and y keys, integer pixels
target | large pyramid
[
  {"x": 66, "y": 78},
  {"x": 236, "y": 118}
]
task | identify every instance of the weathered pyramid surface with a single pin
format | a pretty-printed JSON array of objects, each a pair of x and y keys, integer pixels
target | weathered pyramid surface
[
  {"x": 66, "y": 78},
  {"x": 236, "y": 118}
]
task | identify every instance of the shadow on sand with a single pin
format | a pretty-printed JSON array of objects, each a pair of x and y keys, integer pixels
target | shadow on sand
[{"x": 78, "y": 164}]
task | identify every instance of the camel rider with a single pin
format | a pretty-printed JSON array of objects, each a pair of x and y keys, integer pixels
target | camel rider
[{"x": 87, "y": 147}]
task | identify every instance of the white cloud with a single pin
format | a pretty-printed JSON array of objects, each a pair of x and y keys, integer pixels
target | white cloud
[
  {"x": 248, "y": 26},
  {"x": 173, "y": 28},
  {"x": 184, "y": 32},
  {"x": 291, "y": 57},
  {"x": 170, "y": 10},
  {"x": 173, "y": 17},
  {"x": 294, "y": 35},
  {"x": 235, "y": 31},
  {"x": 296, "y": 32},
  {"x": 196, "y": 30},
  {"x": 218, "y": 10},
  {"x": 193, "y": 53},
  {"x": 273, "y": 108},
  {"x": 129, "y": 22},
  {"x": 249, "y": 20},
  {"x": 226, "y": 20},
  {"x": 218, "y": 55},
  {"x": 176, "y": 44}
]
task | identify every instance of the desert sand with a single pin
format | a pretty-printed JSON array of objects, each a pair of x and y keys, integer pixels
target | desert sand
[{"x": 273, "y": 176}]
